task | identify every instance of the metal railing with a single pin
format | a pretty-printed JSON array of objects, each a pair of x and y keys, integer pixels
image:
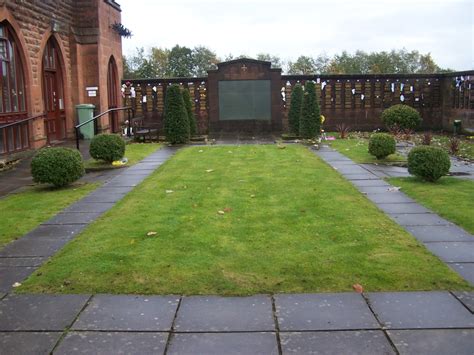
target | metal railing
[
  {"x": 15, "y": 136},
  {"x": 130, "y": 113}
]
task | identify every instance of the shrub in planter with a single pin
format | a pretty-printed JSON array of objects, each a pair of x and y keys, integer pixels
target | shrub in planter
[
  {"x": 57, "y": 166},
  {"x": 107, "y": 147},
  {"x": 310, "y": 122},
  {"x": 402, "y": 117},
  {"x": 294, "y": 113},
  {"x": 189, "y": 109},
  {"x": 176, "y": 121},
  {"x": 381, "y": 145},
  {"x": 428, "y": 163}
]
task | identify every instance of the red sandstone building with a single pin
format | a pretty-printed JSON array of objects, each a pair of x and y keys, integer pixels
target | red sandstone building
[{"x": 51, "y": 52}]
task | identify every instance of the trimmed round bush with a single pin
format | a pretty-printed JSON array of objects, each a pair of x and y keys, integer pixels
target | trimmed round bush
[
  {"x": 107, "y": 147},
  {"x": 381, "y": 145},
  {"x": 401, "y": 116},
  {"x": 428, "y": 163},
  {"x": 57, "y": 166}
]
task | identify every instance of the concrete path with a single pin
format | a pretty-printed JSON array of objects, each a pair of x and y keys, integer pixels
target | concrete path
[
  {"x": 332, "y": 323},
  {"x": 450, "y": 243},
  {"x": 22, "y": 257}
]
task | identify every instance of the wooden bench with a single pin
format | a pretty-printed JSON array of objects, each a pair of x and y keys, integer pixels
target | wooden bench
[{"x": 144, "y": 129}]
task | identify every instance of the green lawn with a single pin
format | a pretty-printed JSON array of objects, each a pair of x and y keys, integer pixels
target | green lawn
[
  {"x": 134, "y": 152},
  {"x": 243, "y": 220},
  {"x": 449, "y": 197},
  {"x": 357, "y": 149},
  {"x": 25, "y": 210}
]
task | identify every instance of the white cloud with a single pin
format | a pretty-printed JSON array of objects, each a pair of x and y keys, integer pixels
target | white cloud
[{"x": 292, "y": 28}]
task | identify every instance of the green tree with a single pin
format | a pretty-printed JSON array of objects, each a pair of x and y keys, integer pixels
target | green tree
[
  {"x": 138, "y": 65},
  {"x": 189, "y": 110},
  {"x": 274, "y": 59},
  {"x": 294, "y": 113},
  {"x": 176, "y": 122},
  {"x": 304, "y": 65},
  {"x": 180, "y": 62},
  {"x": 159, "y": 57},
  {"x": 310, "y": 122},
  {"x": 203, "y": 60}
]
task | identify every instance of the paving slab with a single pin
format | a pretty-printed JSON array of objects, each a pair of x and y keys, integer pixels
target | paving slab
[
  {"x": 10, "y": 275},
  {"x": 22, "y": 262},
  {"x": 350, "y": 169},
  {"x": 142, "y": 173},
  {"x": 102, "y": 197},
  {"x": 33, "y": 246},
  {"x": 224, "y": 343},
  {"x": 2, "y": 295},
  {"x": 112, "y": 343},
  {"x": 56, "y": 231},
  {"x": 125, "y": 180},
  {"x": 374, "y": 189},
  {"x": 28, "y": 343},
  {"x": 332, "y": 156},
  {"x": 128, "y": 313},
  {"x": 410, "y": 207},
  {"x": 39, "y": 312},
  {"x": 394, "y": 197},
  {"x": 433, "y": 341},
  {"x": 214, "y": 314},
  {"x": 336, "y": 342},
  {"x": 466, "y": 270},
  {"x": 410, "y": 310},
  {"x": 112, "y": 190},
  {"x": 140, "y": 167},
  {"x": 467, "y": 299},
  {"x": 73, "y": 218},
  {"x": 418, "y": 219},
  {"x": 377, "y": 182},
  {"x": 449, "y": 233},
  {"x": 95, "y": 207},
  {"x": 453, "y": 252},
  {"x": 366, "y": 176},
  {"x": 329, "y": 311}
]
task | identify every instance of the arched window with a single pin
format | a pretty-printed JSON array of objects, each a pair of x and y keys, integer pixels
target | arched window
[{"x": 12, "y": 82}]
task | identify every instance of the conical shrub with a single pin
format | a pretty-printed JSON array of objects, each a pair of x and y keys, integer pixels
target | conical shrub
[
  {"x": 189, "y": 109},
  {"x": 294, "y": 114},
  {"x": 176, "y": 123},
  {"x": 310, "y": 122}
]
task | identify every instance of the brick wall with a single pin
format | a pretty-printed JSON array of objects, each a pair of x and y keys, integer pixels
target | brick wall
[{"x": 86, "y": 42}]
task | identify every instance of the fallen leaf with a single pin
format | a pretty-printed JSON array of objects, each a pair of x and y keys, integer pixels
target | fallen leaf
[
  {"x": 149, "y": 234},
  {"x": 209, "y": 170},
  {"x": 16, "y": 284},
  {"x": 201, "y": 151},
  {"x": 220, "y": 212},
  {"x": 227, "y": 209},
  {"x": 169, "y": 191},
  {"x": 358, "y": 288},
  {"x": 394, "y": 188},
  {"x": 252, "y": 196}
]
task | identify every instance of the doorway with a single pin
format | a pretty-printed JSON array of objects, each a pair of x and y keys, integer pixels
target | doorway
[
  {"x": 55, "y": 122},
  {"x": 112, "y": 95}
]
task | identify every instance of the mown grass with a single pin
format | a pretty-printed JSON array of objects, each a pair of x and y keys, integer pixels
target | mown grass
[
  {"x": 357, "y": 149},
  {"x": 134, "y": 152},
  {"x": 287, "y": 223},
  {"x": 450, "y": 197},
  {"x": 25, "y": 210}
]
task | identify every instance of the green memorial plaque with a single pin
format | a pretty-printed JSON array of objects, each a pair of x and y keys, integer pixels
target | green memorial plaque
[{"x": 244, "y": 100}]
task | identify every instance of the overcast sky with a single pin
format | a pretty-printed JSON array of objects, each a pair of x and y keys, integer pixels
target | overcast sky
[{"x": 290, "y": 28}]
